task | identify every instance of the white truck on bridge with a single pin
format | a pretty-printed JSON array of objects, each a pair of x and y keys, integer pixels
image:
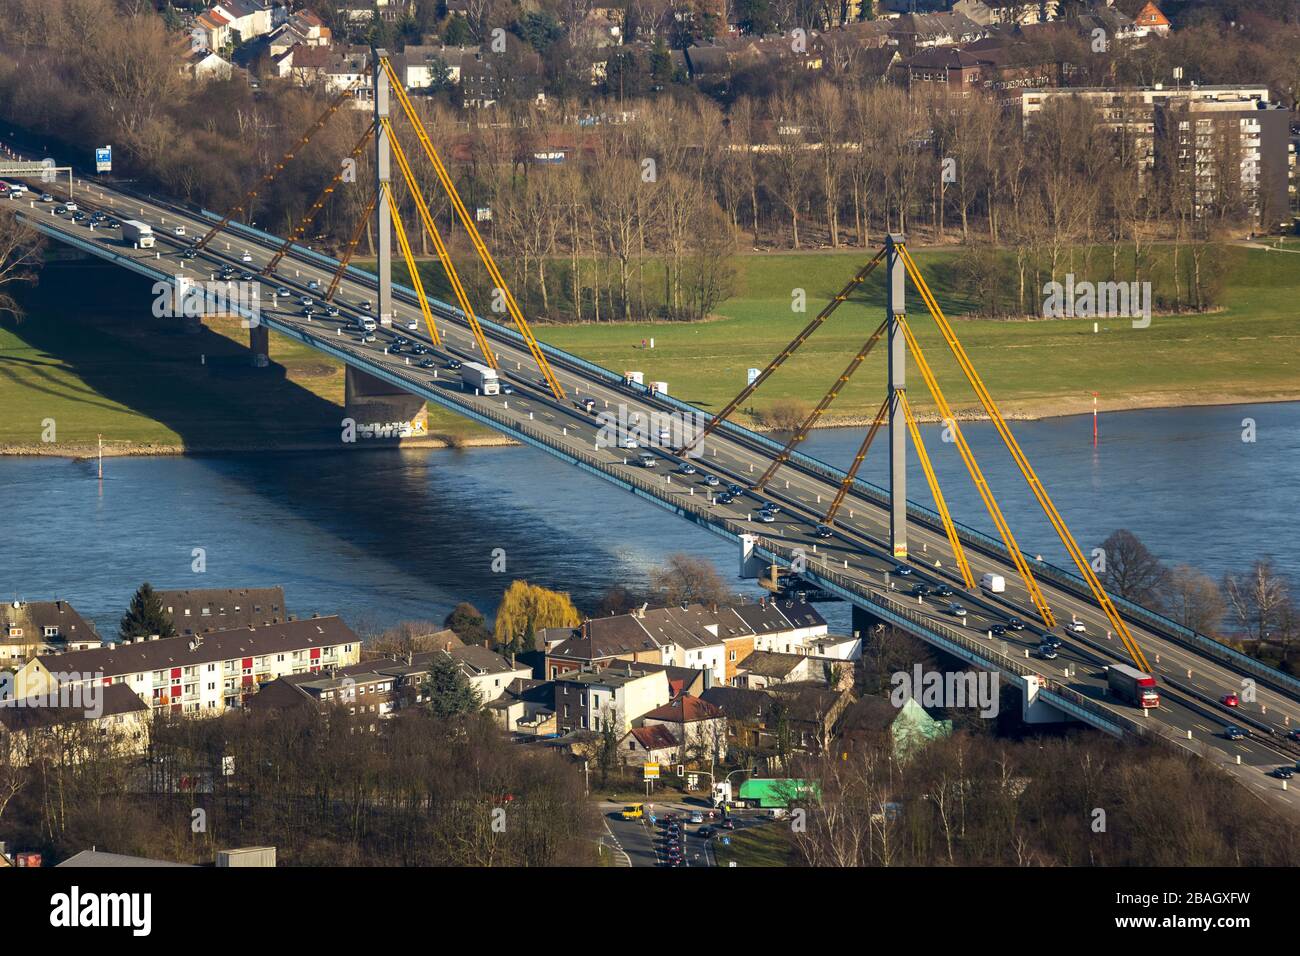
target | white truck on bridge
[
  {"x": 138, "y": 234},
  {"x": 478, "y": 376}
]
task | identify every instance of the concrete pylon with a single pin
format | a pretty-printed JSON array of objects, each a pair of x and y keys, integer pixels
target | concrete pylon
[
  {"x": 259, "y": 343},
  {"x": 383, "y": 217},
  {"x": 897, "y": 306},
  {"x": 374, "y": 403}
]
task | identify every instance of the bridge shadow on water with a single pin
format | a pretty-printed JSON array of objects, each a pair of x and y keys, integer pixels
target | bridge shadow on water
[{"x": 403, "y": 527}]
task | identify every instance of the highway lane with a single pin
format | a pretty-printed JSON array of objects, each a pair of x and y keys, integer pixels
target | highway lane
[{"x": 861, "y": 531}]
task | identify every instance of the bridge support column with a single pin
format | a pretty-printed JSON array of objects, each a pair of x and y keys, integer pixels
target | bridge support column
[
  {"x": 1035, "y": 711},
  {"x": 383, "y": 217},
  {"x": 751, "y": 565},
  {"x": 259, "y": 342},
  {"x": 897, "y": 306},
  {"x": 382, "y": 410}
]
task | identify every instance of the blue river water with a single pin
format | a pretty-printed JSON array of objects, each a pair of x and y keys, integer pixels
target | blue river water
[{"x": 384, "y": 536}]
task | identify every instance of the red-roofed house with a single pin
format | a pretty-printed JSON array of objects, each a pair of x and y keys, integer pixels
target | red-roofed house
[
  {"x": 1151, "y": 20},
  {"x": 652, "y": 744},
  {"x": 699, "y": 725}
]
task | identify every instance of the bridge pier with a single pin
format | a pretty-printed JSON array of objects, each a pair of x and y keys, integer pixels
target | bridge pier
[
  {"x": 259, "y": 342},
  {"x": 1033, "y": 710},
  {"x": 381, "y": 409}
]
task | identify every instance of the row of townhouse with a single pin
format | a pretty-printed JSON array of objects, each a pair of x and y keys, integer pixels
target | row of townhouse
[
  {"x": 202, "y": 673},
  {"x": 710, "y": 639}
]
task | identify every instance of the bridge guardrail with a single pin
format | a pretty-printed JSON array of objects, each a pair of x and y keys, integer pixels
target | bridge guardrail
[{"x": 1059, "y": 576}]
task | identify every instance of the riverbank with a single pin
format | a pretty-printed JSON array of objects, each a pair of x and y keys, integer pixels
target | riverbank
[{"x": 90, "y": 360}]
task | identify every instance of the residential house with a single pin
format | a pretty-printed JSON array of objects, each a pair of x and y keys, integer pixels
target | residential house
[
  {"x": 586, "y": 700},
  {"x": 33, "y": 727},
  {"x": 28, "y": 628},
  {"x": 203, "y": 673},
  {"x": 699, "y": 727},
  {"x": 653, "y": 743},
  {"x": 768, "y": 668},
  {"x": 527, "y": 707},
  {"x": 1151, "y": 21},
  {"x": 200, "y": 610},
  {"x": 914, "y": 31}
]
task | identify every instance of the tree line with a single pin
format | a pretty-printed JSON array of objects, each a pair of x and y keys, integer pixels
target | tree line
[{"x": 643, "y": 216}]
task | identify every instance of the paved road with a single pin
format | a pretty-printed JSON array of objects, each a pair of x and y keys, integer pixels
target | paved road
[{"x": 858, "y": 550}]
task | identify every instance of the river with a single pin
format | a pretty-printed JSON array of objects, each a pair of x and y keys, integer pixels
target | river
[{"x": 384, "y": 536}]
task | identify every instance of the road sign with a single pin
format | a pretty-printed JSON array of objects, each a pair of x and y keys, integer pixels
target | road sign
[
  {"x": 104, "y": 159},
  {"x": 651, "y": 771}
]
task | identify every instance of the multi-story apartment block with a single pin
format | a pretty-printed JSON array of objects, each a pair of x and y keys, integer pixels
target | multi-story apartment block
[
  {"x": 204, "y": 673},
  {"x": 200, "y": 610},
  {"x": 587, "y": 700}
]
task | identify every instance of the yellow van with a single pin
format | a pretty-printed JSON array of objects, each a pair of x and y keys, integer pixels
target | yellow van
[{"x": 633, "y": 811}]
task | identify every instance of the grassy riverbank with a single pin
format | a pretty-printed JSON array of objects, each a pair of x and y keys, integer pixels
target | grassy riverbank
[{"x": 91, "y": 358}]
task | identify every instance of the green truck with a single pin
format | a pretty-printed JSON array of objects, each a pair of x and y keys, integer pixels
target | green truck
[{"x": 776, "y": 792}]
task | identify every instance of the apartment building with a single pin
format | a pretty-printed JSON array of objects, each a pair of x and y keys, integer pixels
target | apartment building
[
  {"x": 203, "y": 673},
  {"x": 588, "y": 700},
  {"x": 1227, "y": 156},
  {"x": 200, "y": 610}
]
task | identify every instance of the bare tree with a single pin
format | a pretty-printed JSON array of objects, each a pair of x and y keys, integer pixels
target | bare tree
[
  {"x": 20, "y": 257},
  {"x": 1259, "y": 600}
]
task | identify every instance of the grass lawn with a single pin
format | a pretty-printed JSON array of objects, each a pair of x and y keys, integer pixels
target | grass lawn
[
  {"x": 90, "y": 356},
  {"x": 770, "y": 844},
  {"x": 1247, "y": 351}
]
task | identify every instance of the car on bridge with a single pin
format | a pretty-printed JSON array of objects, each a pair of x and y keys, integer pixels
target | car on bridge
[
  {"x": 825, "y": 531},
  {"x": 1052, "y": 639},
  {"x": 648, "y": 461},
  {"x": 247, "y": 256},
  {"x": 902, "y": 570},
  {"x": 1045, "y": 652},
  {"x": 1293, "y": 735},
  {"x": 70, "y": 206},
  {"x": 1015, "y": 624},
  {"x": 189, "y": 254},
  {"x": 281, "y": 290},
  {"x": 766, "y": 517},
  {"x": 712, "y": 481},
  {"x": 920, "y": 590},
  {"x": 1229, "y": 700},
  {"x": 46, "y": 197},
  {"x": 1283, "y": 773},
  {"x": 943, "y": 590},
  {"x": 956, "y": 610},
  {"x": 507, "y": 388},
  {"x": 587, "y": 405},
  {"x": 313, "y": 284},
  {"x": 1233, "y": 732},
  {"x": 453, "y": 364},
  {"x": 179, "y": 230},
  {"x": 428, "y": 363},
  {"x": 686, "y": 468},
  {"x": 1078, "y": 627}
]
